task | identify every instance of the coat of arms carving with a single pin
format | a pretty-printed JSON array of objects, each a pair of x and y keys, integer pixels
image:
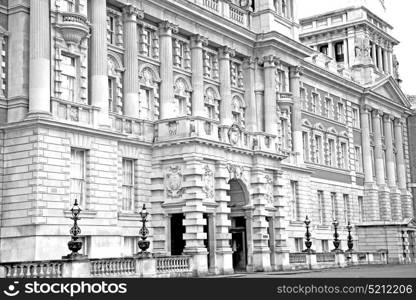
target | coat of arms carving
[
  {"x": 209, "y": 181},
  {"x": 234, "y": 134},
  {"x": 173, "y": 182}
]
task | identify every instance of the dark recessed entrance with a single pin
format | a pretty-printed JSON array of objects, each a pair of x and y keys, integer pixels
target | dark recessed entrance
[
  {"x": 177, "y": 229},
  {"x": 238, "y": 226}
]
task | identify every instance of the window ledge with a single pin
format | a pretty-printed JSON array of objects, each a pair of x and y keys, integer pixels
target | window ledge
[
  {"x": 88, "y": 214},
  {"x": 128, "y": 216}
]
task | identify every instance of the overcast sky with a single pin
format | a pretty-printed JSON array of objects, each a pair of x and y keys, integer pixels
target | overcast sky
[{"x": 399, "y": 13}]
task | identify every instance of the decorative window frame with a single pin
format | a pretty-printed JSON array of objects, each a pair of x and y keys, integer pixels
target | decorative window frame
[
  {"x": 152, "y": 83},
  {"x": 318, "y": 130},
  {"x": 315, "y": 107},
  {"x": 213, "y": 101},
  {"x": 343, "y": 163},
  {"x": 81, "y": 56},
  {"x": 331, "y": 134},
  {"x": 115, "y": 71},
  {"x": 185, "y": 93},
  {"x": 144, "y": 43},
  {"x": 237, "y": 99},
  {"x": 118, "y": 34},
  {"x": 211, "y": 64},
  {"x": 181, "y": 53},
  {"x": 236, "y": 73}
]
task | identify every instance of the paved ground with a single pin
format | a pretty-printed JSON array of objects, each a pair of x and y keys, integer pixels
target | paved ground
[{"x": 372, "y": 271}]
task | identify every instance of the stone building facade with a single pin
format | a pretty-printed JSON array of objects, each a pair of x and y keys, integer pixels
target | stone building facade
[{"x": 222, "y": 116}]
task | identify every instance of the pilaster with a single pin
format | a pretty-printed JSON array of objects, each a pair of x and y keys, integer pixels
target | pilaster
[
  {"x": 225, "y": 85},
  {"x": 166, "y": 29},
  {"x": 197, "y": 62},
  {"x": 131, "y": 83},
  {"x": 249, "y": 65},
  {"x": 296, "y": 121},
  {"x": 40, "y": 59},
  {"x": 270, "y": 119},
  {"x": 98, "y": 60}
]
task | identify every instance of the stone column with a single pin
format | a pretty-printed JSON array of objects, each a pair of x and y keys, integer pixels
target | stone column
[
  {"x": 375, "y": 55},
  {"x": 331, "y": 50},
  {"x": 166, "y": 29},
  {"x": 131, "y": 75},
  {"x": 395, "y": 202},
  {"x": 371, "y": 205},
  {"x": 225, "y": 85},
  {"x": 379, "y": 59},
  {"x": 383, "y": 192},
  {"x": 250, "y": 96},
  {"x": 346, "y": 55},
  {"x": 385, "y": 62},
  {"x": 98, "y": 59},
  {"x": 223, "y": 223},
  {"x": 406, "y": 201},
  {"x": 260, "y": 109},
  {"x": 261, "y": 250},
  {"x": 390, "y": 60},
  {"x": 297, "y": 142},
  {"x": 40, "y": 59},
  {"x": 197, "y": 43},
  {"x": 270, "y": 120},
  {"x": 351, "y": 46},
  {"x": 194, "y": 210}
]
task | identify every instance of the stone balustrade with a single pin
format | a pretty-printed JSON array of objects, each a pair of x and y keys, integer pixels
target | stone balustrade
[
  {"x": 46, "y": 269},
  {"x": 138, "y": 266},
  {"x": 211, "y": 130},
  {"x": 325, "y": 257},
  {"x": 297, "y": 258},
  {"x": 74, "y": 112},
  {"x": 113, "y": 267},
  {"x": 173, "y": 264},
  {"x": 228, "y": 10},
  {"x": 136, "y": 128}
]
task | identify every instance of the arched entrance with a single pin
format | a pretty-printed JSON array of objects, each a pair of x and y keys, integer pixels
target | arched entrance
[{"x": 238, "y": 199}]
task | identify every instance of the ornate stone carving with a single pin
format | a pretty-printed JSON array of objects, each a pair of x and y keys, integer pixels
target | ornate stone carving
[
  {"x": 173, "y": 182},
  {"x": 269, "y": 189},
  {"x": 173, "y": 128},
  {"x": 168, "y": 27},
  {"x": 209, "y": 182},
  {"x": 132, "y": 12},
  {"x": 236, "y": 172},
  {"x": 234, "y": 134}
]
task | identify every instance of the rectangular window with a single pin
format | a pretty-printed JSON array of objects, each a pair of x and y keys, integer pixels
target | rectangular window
[
  {"x": 303, "y": 98},
  {"x": 355, "y": 118},
  {"x": 327, "y": 108},
  {"x": 331, "y": 153},
  {"x": 339, "y": 52},
  {"x": 334, "y": 206},
  {"x": 314, "y": 103},
  {"x": 373, "y": 163},
  {"x": 111, "y": 94},
  {"x": 324, "y": 49},
  {"x": 77, "y": 174},
  {"x": 325, "y": 245},
  {"x": 305, "y": 138},
  {"x": 318, "y": 149},
  {"x": 111, "y": 30},
  {"x": 129, "y": 247},
  {"x": 144, "y": 103},
  {"x": 321, "y": 207},
  {"x": 284, "y": 133},
  {"x": 360, "y": 209},
  {"x": 128, "y": 185},
  {"x": 72, "y": 6},
  {"x": 68, "y": 76},
  {"x": 346, "y": 207},
  {"x": 299, "y": 244},
  {"x": 358, "y": 159},
  {"x": 344, "y": 156},
  {"x": 294, "y": 200},
  {"x": 341, "y": 112}
]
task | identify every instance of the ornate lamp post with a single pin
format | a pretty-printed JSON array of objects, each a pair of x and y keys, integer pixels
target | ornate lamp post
[
  {"x": 74, "y": 245},
  {"x": 350, "y": 242},
  {"x": 308, "y": 242},
  {"x": 144, "y": 232},
  {"x": 336, "y": 242}
]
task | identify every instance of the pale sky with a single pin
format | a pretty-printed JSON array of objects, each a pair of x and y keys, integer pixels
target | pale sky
[{"x": 399, "y": 13}]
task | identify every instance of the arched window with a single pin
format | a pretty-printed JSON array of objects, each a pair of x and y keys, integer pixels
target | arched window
[
  {"x": 182, "y": 100},
  {"x": 114, "y": 85},
  {"x": 148, "y": 92},
  {"x": 211, "y": 103},
  {"x": 238, "y": 110}
]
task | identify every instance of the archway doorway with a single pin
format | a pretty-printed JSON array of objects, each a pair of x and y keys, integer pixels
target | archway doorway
[{"x": 238, "y": 199}]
